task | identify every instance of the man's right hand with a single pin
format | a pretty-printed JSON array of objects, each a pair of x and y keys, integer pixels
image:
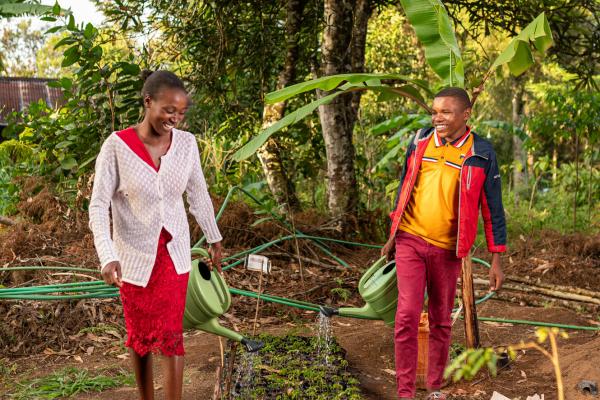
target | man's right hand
[
  {"x": 389, "y": 249},
  {"x": 111, "y": 274}
]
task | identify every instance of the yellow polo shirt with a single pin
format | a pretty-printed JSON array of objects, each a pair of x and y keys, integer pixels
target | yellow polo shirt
[{"x": 432, "y": 212}]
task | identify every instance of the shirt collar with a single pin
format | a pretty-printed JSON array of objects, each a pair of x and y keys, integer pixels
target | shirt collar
[{"x": 456, "y": 143}]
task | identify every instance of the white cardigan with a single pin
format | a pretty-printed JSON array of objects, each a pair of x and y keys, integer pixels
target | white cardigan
[{"x": 143, "y": 201}]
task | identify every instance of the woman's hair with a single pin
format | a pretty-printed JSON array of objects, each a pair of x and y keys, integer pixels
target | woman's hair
[{"x": 155, "y": 81}]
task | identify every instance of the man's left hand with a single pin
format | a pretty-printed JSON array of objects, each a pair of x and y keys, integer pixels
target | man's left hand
[
  {"x": 215, "y": 256},
  {"x": 496, "y": 274}
]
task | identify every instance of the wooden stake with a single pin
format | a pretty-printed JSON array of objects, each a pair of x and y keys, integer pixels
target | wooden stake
[
  {"x": 232, "y": 356},
  {"x": 217, "y": 388},
  {"x": 468, "y": 298},
  {"x": 260, "y": 278}
]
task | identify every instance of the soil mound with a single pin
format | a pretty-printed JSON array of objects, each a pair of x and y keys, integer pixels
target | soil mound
[{"x": 578, "y": 362}]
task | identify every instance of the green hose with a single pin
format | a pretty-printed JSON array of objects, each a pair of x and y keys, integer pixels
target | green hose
[
  {"x": 98, "y": 289},
  {"x": 320, "y": 245}
]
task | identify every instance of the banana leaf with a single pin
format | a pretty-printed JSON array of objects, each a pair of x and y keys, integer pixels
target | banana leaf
[
  {"x": 331, "y": 82},
  {"x": 384, "y": 91},
  {"x": 432, "y": 25},
  {"x": 254, "y": 144},
  {"x": 518, "y": 54}
]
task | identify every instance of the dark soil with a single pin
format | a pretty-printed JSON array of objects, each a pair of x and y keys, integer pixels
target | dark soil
[{"x": 39, "y": 337}]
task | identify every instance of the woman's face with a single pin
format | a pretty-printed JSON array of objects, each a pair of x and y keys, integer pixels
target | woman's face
[{"x": 166, "y": 110}]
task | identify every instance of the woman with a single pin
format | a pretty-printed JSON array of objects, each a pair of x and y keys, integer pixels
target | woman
[{"x": 141, "y": 175}]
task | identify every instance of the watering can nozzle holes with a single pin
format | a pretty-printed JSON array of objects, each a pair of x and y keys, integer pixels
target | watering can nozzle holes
[
  {"x": 204, "y": 270},
  {"x": 252, "y": 345},
  {"x": 328, "y": 311}
]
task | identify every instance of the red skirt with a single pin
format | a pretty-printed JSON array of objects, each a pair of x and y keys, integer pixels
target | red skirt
[{"x": 154, "y": 314}]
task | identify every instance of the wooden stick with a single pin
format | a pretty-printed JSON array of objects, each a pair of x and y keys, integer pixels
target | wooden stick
[
  {"x": 547, "y": 292},
  {"x": 540, "y": 301},
  {"x": 232, "y": 355},
  {"x": 6, "y": 221},
  {"x": 260, "y": 278},
  {"x": 222, "y": 351},
  {"x": 217, "y": 388},
  {"x": 561, "y": 288},
  {"x": 468, "y": 298}
]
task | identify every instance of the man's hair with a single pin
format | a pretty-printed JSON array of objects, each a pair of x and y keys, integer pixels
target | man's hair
[{"x": 458, "y": 93}]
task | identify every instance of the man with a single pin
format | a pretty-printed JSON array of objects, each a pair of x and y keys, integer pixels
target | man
[{"x": 449, "y": 174}]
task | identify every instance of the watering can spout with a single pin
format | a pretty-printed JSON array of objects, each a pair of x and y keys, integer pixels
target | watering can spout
[
  {"x": 252, "y": 345},
  {"x": 365, "y": 312},
  {"x": 328, "y": 311},
  {"x": 379, "y": 290}
]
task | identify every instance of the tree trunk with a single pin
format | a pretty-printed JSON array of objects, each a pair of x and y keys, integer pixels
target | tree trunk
[
  {"x": 343, "y": 51},
  {"x": 576, "y": 180},
  {"x": 519, "y": 155},
  {"x": 269, "y": 155}
]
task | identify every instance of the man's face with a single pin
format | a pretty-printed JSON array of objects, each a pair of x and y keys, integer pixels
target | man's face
[{"x": 449, "y": 117}]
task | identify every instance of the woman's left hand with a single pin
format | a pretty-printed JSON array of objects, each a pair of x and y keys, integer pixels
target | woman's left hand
[{"x": 215, "y": 256}]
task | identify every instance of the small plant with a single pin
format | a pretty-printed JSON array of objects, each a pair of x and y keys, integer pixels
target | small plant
[
  {"x": 69, "y": 382},
  {"x": 101, "y": 328},
  {"x": 7, "y": 368},
  {"x": 287, "y": 368},
  {"x": 471, "y": 361},
  {"x": 342, "y": 293}
]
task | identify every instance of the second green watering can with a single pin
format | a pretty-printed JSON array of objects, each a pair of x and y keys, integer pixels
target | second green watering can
[
  {"x": 379, "y": 290},
  {"x": 207, "y": 299}
]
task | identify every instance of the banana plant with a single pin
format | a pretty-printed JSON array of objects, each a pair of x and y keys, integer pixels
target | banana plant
[
  {"x": 337, "y": 85},
  {"x": 518, "y": 55},
  {"x": 434, "y": 29}
]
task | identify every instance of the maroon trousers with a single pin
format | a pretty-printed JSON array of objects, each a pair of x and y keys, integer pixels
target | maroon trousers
[{"x": 421, "y": 265}]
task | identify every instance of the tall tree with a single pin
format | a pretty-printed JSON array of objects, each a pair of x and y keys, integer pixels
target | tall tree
[
  {"x": 343, "y": 51},
  {"x": 269, "y": 155},
  {"x": 519, "y": 153}
]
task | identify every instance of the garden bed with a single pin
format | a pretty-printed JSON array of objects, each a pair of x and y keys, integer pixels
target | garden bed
[{"x": 289, "y": 367}]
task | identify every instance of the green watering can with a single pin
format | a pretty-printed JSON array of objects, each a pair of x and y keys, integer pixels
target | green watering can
[
  {"x": 379, "y": 290},
  {"x": 208, "y": 298}
]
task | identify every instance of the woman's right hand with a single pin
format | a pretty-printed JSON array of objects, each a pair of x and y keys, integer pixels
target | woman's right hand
[{"x": 111, "y": 274}]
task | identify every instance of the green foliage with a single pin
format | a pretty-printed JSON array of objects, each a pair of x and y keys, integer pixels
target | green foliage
[
  {"x": 398, "y": 142},
  {"x": 10, "y": 8},
  {"x": 101, "y": 97},
  {"x": 290, "y": 368},
  {"x": 16, "y": 158},
  {"x": 552, "y": 207},
  {"x": 345, "y": 83},
  {"x": 470, "y": 362},
  {"x": 518, "y": 54},
  {"x": 328, "y": 83},
  {"x": 69, "y": 382},
  {"x": 432, "y": 25}
]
